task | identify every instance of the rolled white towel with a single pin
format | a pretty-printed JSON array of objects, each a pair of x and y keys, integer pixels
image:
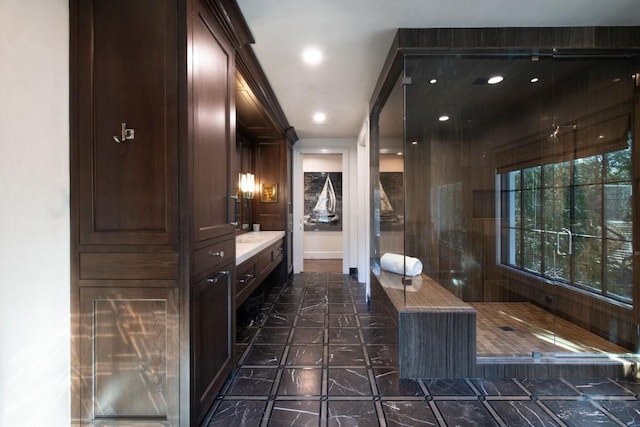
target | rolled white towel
[{"x": 395, "y": 263}]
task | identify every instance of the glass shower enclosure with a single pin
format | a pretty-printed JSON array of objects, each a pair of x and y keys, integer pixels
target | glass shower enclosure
[{"x": 504, "y": 182}]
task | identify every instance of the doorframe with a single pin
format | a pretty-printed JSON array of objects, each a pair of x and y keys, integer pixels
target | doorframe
[{"x": 299, "y": 150}]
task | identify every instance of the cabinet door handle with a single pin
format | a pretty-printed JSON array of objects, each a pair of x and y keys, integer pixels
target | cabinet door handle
[
  {"x": 217, "y": 254},
  {"x": 215, "y": 279}
]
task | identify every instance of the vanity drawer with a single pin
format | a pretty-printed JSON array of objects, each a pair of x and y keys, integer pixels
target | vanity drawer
[
  {"x": 245, "y": 276},
  {"x": 214, "y": 255}
]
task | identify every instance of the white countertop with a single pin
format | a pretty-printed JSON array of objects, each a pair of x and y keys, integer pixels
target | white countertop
[{"x": 250, "y": 244}]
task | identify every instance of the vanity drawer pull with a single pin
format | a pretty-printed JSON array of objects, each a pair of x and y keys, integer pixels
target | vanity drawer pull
[
  {"x": 246, "y": 278},
  {"x": 215, "y": 279},
  {"x": 217, "y": 254}
]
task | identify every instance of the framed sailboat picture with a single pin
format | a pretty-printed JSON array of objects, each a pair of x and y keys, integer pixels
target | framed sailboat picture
[
  {"x": 323, "y": 201},
  {"x": 391, "y": 200},
  {"x": 269, "y": 193}
]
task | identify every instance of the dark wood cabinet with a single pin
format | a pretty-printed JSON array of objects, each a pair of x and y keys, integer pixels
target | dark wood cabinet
[{"x": 153, "y": 251}]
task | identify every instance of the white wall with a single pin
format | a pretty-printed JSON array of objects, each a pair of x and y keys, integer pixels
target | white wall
[
  {"x": 34, "y": 213},
  {"x": 325, "y": 244}
]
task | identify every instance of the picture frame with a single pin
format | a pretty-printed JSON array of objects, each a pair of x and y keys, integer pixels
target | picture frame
[{"x": 269, "y": 193}]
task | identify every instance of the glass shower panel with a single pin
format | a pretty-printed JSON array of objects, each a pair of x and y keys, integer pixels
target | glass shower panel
[{"x": 517, "y": 196}]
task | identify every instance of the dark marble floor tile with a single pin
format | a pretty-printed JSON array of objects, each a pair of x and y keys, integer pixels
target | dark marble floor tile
[
  {"x": 311, "y": 321},
  {"x": 349, "y": 382},
  {"x": 352, "y": 414},
  {"x": 272, "y": 336},
  {"x": 290, "y": 298},
  {"x": 253, "y": 382},
  {"x": 245, "y": 335},
  {"x": 246, "y": 413},
  {"x": 314, "y": 299},
  {"x": 497, "y": 387},
  {"x": 264, "y": 354},
  {"x": 295, "y": 413},
  {"x": 389, "y": 383},
  {"x": 346, "y": 355},
  {"x": 625, "y": 410},
  {"x": 380, "y": 336},
  {"x": 300, "y": 382},
  {"x": 444, "y": 387},
  {"x": 576, "y": 413},
  {"x": 279, "y": 320},
  {"x": 631, "y": 386},
  {"x": 360, "y": 298},
  {"x": 344, "y": 308},
  {"x": 339, "y": 299},
  {"x": 547, "y": 387},
  {"x": 308, "y": 336},
  {"x": 363, "y": 308},
  {"x": 597, "y": 386},
  {"x": 344, "y": 336},
  {"x": 316, "y": 290},
  {"x": 522, "y": 413},
  {"x": 282, "y": 308},
  {"x": 376, "y": 321},
  {"x": 239, "y": 352},
  {"x": 408, "y": 413},
  {"x": 383, "y": 355},
  {"x": 342, "y": 321},
  {"x": 319, "y": 308},
  {"x": 305, "y": 355},
  {"x": 465, "y": 413}
]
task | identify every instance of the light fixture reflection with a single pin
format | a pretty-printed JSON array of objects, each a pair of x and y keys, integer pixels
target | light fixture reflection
[
  {"x": 433, "y": 81},
  {"x": 443, "y": 118},
  {"x": 246, "y": 185},
  {"x": 495, "y": 80},
  {"x": 534, "y": 80}
]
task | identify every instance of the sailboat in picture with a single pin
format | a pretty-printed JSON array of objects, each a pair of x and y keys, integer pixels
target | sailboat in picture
[{"x": 325, "y": 209}]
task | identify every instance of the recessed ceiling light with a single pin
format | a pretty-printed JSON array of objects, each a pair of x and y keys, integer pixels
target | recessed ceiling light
[
  {"x": 319, "y": 117},
  {"x": 433, "y": 81},
  {"x": 414, "y": 142},
  {"x": 312, "y": 56},
  {"x": 399, "y": 153},
  {"x": 495, "y": 80},
  {"x": 534, "y": 80},
  {"x": 443, "y": 118}
]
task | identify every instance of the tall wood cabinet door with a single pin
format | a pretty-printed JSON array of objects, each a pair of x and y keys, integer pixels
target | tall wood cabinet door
[
  {"x": 213, "y": 109},
  {"x": 129, "y": 356},
  {"x": 126, "y": 120},
  {"x": 213, "y": 334}
]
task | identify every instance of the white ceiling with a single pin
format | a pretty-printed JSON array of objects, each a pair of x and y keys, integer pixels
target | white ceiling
[{"x": 355, "y": 36}]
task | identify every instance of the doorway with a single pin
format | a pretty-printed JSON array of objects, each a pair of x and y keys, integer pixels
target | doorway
[{"x": 321, "y": 209}]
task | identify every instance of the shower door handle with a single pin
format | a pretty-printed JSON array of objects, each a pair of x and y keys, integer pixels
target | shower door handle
[{"x": 570, "y": 249}]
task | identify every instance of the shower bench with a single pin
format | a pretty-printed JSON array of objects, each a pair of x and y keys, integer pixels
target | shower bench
[{"x": 436, "y": 330}]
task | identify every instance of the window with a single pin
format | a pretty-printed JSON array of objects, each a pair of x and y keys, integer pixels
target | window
[{"x": 571, "y": 222}]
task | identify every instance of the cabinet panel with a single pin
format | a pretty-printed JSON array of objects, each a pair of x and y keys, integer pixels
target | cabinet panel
[
  {"x": 213, "y": 142},
  {"x": 129, "y": 355},
  {"x": 127, "y": 189},
  {"x": 143, "y": 266},
  {"x": 213, "y": 326}
]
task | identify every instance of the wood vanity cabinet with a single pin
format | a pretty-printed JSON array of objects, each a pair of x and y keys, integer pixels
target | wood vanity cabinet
[
  {"x": 252, "y": 272},
  {"x": 152, "y": 244}
]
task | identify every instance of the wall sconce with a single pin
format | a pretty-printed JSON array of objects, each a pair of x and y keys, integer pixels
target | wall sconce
[{"x": 246, "y": 185}]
